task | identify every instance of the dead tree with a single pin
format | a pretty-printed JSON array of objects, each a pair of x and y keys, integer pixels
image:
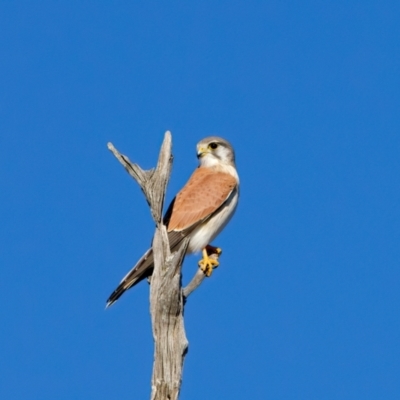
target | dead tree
[{"x": 167, "y": 297}]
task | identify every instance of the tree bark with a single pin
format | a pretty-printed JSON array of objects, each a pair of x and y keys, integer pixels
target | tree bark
[
  {"x": 166, "y": 307},
  {"x": 166, "y": 294}
]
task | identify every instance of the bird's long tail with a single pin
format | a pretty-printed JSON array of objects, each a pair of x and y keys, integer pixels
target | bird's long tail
[{"x": 141, "y": 270}]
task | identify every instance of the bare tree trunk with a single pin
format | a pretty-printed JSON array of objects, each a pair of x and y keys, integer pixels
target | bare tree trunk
[
  {"x": 166, "y": 307},
  {"x": 166, "y": 293}
]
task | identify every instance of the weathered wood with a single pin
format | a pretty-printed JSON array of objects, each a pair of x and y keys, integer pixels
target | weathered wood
[
  {"x": 152, "y": 182},
  {"x": 166, "y": 306},
  {"x": 166, "y": 294}
]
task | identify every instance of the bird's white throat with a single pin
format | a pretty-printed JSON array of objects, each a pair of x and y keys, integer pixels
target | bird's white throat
[{"x": 208, "y": 161}]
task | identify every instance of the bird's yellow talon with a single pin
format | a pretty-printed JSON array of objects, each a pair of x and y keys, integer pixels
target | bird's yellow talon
[{"x": 207, "y": 264}]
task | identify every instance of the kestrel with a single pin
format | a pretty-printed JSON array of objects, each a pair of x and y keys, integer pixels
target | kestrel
[{"x": 199, "y": 211}]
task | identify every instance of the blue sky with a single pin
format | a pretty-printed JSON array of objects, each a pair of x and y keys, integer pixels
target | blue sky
[{"x": 306, "y": 302}]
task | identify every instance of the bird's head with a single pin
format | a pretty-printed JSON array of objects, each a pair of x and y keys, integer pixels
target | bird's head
[{"x": 214, "y": 150}]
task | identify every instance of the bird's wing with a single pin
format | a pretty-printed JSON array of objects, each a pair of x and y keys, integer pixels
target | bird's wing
[
  {"x": 204, "y": 193},
  {"x": 141, "y": 270}
]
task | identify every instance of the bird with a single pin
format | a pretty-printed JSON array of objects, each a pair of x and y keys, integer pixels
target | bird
[{"x": 199, "y": 211}]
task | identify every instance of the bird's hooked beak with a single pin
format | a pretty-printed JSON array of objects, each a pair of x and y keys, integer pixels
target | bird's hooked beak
[{"x": 202, "y": 151}]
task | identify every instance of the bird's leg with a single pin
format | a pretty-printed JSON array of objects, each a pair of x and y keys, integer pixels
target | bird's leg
[
  {"x": 209, "y": 260},
  {"x": 213, "y": 250}
]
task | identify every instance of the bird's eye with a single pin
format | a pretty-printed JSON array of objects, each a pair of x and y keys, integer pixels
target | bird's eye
[{"x": 213, "y": 145}]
